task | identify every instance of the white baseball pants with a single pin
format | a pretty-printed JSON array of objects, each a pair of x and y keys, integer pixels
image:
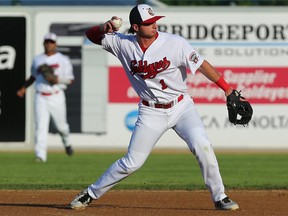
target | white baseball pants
[
  {"x": 151, "y": 124},
  {"x": 45, "y": 106}
]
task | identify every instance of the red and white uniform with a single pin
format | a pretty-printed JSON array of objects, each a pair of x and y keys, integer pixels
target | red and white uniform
[
  {"x": 159, "y": 75},
  {"x": 62, "y": 68},
  {"x": 50, "y": 101}
]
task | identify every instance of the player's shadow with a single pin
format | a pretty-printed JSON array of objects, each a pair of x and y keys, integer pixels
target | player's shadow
[
  {"x": 148, "y": 207},
  {"x": 35, "y": 205},
  {"x": 54, "y": 206}
]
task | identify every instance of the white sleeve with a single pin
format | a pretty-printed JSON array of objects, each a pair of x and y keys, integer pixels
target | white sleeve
[
  {"x": 33, "y": 68},
  {"x": 112, "y": 43},
  {"x": 68, "y": 69},
  {"x": 193, "y": 59}
]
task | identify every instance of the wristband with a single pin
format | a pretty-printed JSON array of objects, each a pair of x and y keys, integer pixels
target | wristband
[
  {"x": 222, "y": 84},
  {"x": 28, "y": 82},
  {"x": 65, "y": 81}
]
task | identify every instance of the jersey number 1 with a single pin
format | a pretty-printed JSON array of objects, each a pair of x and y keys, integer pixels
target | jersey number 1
[{"x": 163, "y": 84}]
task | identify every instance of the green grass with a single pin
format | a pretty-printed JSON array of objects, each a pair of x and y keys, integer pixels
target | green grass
[{"x": 178, "y": 171}]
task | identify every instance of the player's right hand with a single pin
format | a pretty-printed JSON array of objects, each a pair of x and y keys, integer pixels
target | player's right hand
[{"x": 108, "y": 27}]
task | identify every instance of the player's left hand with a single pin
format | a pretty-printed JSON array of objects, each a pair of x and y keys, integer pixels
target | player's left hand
[
  {"x": 48, "y": 74},
  {"x": 239, "y": 109}
]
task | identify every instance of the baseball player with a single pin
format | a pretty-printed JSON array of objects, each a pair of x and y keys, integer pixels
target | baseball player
[
  {"x": 50, "y": 97},
  {"x": 155, "y": 63}
]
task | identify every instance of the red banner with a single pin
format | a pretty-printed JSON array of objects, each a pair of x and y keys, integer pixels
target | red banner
[{"x": 267, "y": 85}]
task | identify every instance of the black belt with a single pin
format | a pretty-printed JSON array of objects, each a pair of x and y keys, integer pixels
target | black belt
[{"x": 164, "y": 105}]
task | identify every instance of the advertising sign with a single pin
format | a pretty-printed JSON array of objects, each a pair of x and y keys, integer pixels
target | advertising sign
[
  {"x": 12, "y": 76},
  {"x": 249, "y": 49}
]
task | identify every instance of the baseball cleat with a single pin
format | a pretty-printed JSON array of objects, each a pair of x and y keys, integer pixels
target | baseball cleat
[
  {"x": 69, "y": 150},
  {"x": 226, "y": 204},
  {"x": 39, "y": 160},
  {"x": 81, "y": 201}
]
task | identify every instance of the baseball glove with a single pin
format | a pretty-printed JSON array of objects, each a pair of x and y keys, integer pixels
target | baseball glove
[
  {"x": 48, "y": 73},
  {"x": 239, "y": 111}
]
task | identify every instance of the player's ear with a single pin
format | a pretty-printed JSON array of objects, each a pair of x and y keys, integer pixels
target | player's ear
[{"x": 135, "y": 27}]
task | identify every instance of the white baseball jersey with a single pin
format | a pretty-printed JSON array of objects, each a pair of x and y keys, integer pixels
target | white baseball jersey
[
  {"x": 159, "y": 74},
  {"x": 50, "y": 101},
  {"x": 62, "y": 68}
]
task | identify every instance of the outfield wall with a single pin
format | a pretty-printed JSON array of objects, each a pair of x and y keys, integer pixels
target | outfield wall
[{"x": 249, "y": 47}]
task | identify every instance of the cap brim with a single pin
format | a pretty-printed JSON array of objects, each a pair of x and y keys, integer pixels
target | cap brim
[
  {"x": 49, "y": 40},
  {"x": 152, "y": 20}
]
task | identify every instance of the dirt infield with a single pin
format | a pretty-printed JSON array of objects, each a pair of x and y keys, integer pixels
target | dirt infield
[{"x": 138, "y": 203}]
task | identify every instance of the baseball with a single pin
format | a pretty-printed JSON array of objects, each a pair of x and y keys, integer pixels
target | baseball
[{"x": 117, "y": 23}]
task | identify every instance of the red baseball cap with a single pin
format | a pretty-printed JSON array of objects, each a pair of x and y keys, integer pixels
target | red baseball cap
[{"x": 143, "y": 14}]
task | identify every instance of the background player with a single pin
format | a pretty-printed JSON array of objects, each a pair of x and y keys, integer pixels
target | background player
[
  {"x": 50, "y": 97},
  {"x": 156, "y": 63}
]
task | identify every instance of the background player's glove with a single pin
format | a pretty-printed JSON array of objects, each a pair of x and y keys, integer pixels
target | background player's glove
[
  {"x": 239, "y": 111},
  {"x": 48, "y": 73}
]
